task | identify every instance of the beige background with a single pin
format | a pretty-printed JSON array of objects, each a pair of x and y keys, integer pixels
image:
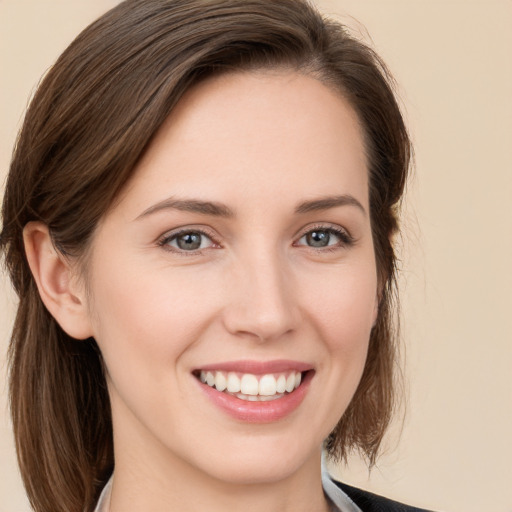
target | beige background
[{"x": 453, "y": 60}]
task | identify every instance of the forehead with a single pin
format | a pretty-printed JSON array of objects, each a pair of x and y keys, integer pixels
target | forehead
[{"x": 258, "y": 132}]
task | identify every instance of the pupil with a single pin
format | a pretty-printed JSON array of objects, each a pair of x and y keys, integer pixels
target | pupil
[
  {"x": 189, "y": 241},
  {"x": 318, "y": 238}
]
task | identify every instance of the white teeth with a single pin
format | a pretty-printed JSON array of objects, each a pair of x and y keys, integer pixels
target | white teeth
[
  {"x": 220, "y": 381},
  {"x": 233, "y": 383},
  {"x": 281, "y": 384},
  {"x": 267, "y": 386},
  {"x": 249, "y": 384},
  {"x": 290, "y": 383},
  {"x": 251, "y": 387},
  {"x": 258, "y": 398}
]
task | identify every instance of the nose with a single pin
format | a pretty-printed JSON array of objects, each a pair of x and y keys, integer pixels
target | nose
[{"x": 263, "y": 303}]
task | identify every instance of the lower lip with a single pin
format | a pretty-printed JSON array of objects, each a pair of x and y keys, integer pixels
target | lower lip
[{"x": 258, "y": 412}]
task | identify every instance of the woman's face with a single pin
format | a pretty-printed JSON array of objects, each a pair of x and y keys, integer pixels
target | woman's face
[{"x": 240, "y": 253}]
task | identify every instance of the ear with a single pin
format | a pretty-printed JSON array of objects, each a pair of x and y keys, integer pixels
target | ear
[{"x": 59, "y": 288}]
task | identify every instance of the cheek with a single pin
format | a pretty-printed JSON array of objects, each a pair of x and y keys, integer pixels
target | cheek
[
  {"x": 344, "y": 307},
  {"x": 341, "y": 309},
  {"x": 151, "y": 317},
  {"x": 143, "y": 326}
]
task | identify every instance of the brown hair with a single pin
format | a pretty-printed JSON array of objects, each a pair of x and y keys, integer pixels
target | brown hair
[{"x": 90, "y": 121}]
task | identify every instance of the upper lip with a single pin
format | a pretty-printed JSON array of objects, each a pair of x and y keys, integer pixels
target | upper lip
[{"x": 258, "y": 367}]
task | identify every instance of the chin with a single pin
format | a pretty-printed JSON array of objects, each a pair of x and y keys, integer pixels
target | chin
[
  {"x": 246, "y": 471},
  {"x": 260, "y": 460}
]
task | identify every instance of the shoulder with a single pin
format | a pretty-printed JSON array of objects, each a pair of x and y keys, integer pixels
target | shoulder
[{"x": 369, "y": 502}]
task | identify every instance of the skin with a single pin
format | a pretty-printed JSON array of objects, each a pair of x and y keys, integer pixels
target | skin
[{"x": 260, "y": 144}]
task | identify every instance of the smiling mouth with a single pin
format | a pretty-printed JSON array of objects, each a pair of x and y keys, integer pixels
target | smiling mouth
[{"x": 251, "y": 387}]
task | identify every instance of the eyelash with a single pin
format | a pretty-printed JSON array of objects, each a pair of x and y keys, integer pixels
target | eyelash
[
  {"x": 169, "y": 237},
  {"x": 346, "y": 240}
]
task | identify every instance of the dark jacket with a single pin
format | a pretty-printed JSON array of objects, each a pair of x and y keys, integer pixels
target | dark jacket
[{"x": 369, "y": 502}]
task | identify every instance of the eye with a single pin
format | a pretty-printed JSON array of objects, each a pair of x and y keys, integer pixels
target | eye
[
  {"x": 321, "y": 237},
  {"x": 187, "y": 240}
]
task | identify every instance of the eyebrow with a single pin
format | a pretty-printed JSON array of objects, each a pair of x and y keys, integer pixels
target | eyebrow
[
  {"x": 325, "y": 203},
  {"x": 221, "y": 210},
  {"x": 189, "y": 205}
]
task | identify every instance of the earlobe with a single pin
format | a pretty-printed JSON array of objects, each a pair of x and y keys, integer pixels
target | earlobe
[{"x": 56, "y": 281}]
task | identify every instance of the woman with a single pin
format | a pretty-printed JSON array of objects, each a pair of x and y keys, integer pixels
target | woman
[{"x": 198, "y": 221}]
